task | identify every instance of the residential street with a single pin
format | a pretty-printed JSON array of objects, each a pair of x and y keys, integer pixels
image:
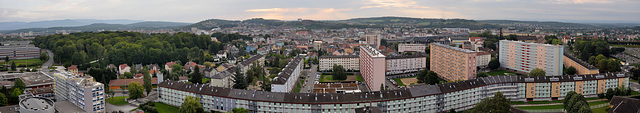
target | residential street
[{"x": 310, "y": 79}]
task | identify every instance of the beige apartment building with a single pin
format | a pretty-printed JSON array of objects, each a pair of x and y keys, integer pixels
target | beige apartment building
[
  {"x": 348, "y": 62},
  {"x": 411, "y": 47},
  {"x": 452, "y": 63}
]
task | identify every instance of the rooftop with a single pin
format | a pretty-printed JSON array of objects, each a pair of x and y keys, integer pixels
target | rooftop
[
  {"x": 36, "y": 104},
  {"x": 454, "y": 48},
  {"x": 371, "y": 51}
]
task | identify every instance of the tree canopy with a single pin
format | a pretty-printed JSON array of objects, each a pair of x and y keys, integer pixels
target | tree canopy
[
  {"x": 494, "y": 64},
  {"x": 239, "y": 80},
  {"x": 19, "y": 84},
  {"x": 428, "y": 77},
  {"x": 537, "y": 72},
  {"x": 147, "y": 83},
  {"x": 571, "y": 70},
  {"x": 496, "y": 104},
  {"x": 338, "y": 73},
  {"x": 135, "y": 90},
  {"x": 576, "y": 103},
  {"x": 191, "y": 105}
]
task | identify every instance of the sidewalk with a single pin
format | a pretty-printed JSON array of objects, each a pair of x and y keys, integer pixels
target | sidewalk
[{"x": 553, "y": 103}]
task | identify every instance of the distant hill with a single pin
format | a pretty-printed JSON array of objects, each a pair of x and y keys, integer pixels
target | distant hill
[
  {"x": 104, "y": 26},
  {"x": 60, "y": 23},
  {"x": 309, "y": 24},
  {"x": 535, "y": 23},
  {"x": 422, "y": 22}
]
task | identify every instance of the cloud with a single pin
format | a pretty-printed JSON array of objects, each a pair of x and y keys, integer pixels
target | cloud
[
  {"x": 582, "y": 1},
  {"x": 392, "y": 4},
  {"x": 295, "y": 13},
  {"x": 279, "y": 10}
]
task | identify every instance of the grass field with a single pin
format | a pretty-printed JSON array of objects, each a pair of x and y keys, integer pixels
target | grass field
[
  {"x": 23, "y": 62},
  {"x": 298, "y": 86},
  {"x": 399, "y": 82},
  {"x": 118, "y": 100},
  {"x": 206, "y": 80},
  {"x": 600, "y": 110},
  {"x": 165, "y": 108},
  {"x": 499, "y": 72},
  {"x": 329, "y": 78},
  {"x": 559, "y": 106}
]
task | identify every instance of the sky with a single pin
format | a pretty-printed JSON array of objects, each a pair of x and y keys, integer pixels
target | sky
[{"x": 607, "y": 11}]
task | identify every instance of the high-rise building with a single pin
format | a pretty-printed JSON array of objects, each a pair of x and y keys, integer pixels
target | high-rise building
[
  {"x": 83, "y": 91},
  {"x": 452, "y": 63},
  {"x": 372, "y": 67},
  {"x": 524, "y": 57}
]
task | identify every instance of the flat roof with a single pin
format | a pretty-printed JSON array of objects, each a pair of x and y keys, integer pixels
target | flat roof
[
  {"x": 36, "y": 104},
  {"x": 454, "y": 48},
  {"x": 67, "y": 107}
]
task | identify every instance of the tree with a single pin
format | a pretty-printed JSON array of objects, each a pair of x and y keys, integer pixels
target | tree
[
  {"x": 571, "y": 70},
  {"x": 191, "y": 105},
  {"x": 6, "y": 58},
  {"x": 338, "y": 73},
  {"x": 15, "y": 94},
  {"x": 13, "y": 65},
  {"x": 494, "y": 64},
  {"x": 498, "y": 104},
  {"x": 128, "y": 75},
  {"x": 3, "y": 100},
  {"x": 483, "y": 74},
  {"x": 43, "y": 56},
  {"x": 239, "y": 80},
  {"x": 196, "y": 76},
  {"x": 576, "y": 103},
  {"x": 568, "y": 97},
  {"x": 4, "y": 90},
  {"x": 266, "y": 85},
  {"x": 147, "y": 83},
  {"x": 239, "y": 110},
  {"x": 428, "y": 77},
  {"x": 537, "y": 72},
  {"x": 19, "y": 84},
  {"x": 135, "y": 90}
]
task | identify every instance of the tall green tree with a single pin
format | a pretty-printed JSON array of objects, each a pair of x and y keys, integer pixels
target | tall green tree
[
  {"x": 191, "y": 105},
  {"x": 428, "y": 77},
  {"x": 266, "y": 85},
  {"x": 43, "y": 56},
  {"x": 576, "y": 103},
  {"x": 6, "y": 58},
  {"x": 537, "y": 72},
  {"x": 13, "y": 66},
  {"x": 3, "y": 100},
  {"x": 483, "y": 74},
  {"x": 19, "y": 84},
  {"x": 239, "y": 80},
  {"x": 15, "y": 94},
  {"x": 239, "y": 110},
  {"x": 135, "y": 90},
  {"x": 498, "y": 104},
  {"x": 147, "y": 83},
  {"x": 196, "y": 76},
  {"x": 338, "y": 73},
  {"x": 494, "y": 64}
]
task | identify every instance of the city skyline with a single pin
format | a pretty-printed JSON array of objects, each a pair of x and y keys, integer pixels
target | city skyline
[{"x": 580, "y": 11}]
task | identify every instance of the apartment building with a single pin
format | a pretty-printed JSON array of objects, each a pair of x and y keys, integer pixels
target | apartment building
[
  {"x": 459, "y": 96},
  {"x": 482, "y": 59},
  {"x": 285, "y": 81},
  {"x": 452, "y": 63},
  {"x": 372, "y": 67},
  {"x": 411, "y": 47},
  {"x": 582, "y": 67},
  {"x": 405, "y": 63},
  {"x": 524, "y": 57},
  {"x": 21, "y": 51},
  {"x": 348, "y": 62},
  {"x": 83, "y": 91}
]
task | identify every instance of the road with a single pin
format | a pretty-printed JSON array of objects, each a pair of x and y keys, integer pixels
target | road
[
  {"x": 634, "y": 86},
  {"x": 310, "y": 79},
  {"x": 49, "y": 62}
]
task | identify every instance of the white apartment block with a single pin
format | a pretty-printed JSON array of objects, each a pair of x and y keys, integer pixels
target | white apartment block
[
  {"x": 285, "y": 81},
  {"x": 348, "y": 62},
  {"x": 524, "y": 57},
  {"x": 82, "y": 91},
  {"x": 460, "y": 96},
  {"x": 405, "y": 64},
  {"x": 482, "y": 59},
  {"x": 411, "y": 47}
]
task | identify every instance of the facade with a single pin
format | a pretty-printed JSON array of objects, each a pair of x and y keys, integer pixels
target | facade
[
  {"x": 26, "y": 51},
  {"x": 411, "y": 47},
  {"x": 405, "y": 64},
  {"x": 372, "y": 67},
  {"x": 459, "y": 96},
  {"x": 36, "y": 105},
  {"x": 582, "y": 67},
  {"x": 452, "y": 63},
  {"x": 482, "y": 59},
  {"x": 524, "y": 57},
  {"x": 83, "y": 91},
  {"x": 348, "y": 62},
  {"x": 285, "y": 81}
]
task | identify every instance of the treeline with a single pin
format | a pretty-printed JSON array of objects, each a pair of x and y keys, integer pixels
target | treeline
[{"x": 121, "y": 47}]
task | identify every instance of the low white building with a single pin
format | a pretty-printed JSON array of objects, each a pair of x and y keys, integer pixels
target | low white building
[
  {"x": 348, "y": 62},
  {"x": 405, "y": 64},
  {"x": 482, "y": 59},
  {"x": 285, "y": 81},
  {"x": 411, "y": 47}
]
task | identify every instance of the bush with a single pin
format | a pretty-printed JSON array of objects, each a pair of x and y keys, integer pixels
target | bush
[{"x": 149, "y": 109}]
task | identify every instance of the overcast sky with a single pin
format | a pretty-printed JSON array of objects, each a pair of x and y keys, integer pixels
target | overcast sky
[{"x": 198, "y": 10}]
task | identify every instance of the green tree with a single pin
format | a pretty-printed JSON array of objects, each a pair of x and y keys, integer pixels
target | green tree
[
  {"x": 19, "y": 84},
  {"x": 15, "y": 94},
  {"x": 43, "y": 56},
  {"x": 191, "y": 105},
  {"x": 135, "y": 90},
  {"x": 6, "y": 58},
  {"x": 4, "y": 90},
  {"x": 338, "y": 73},
  {"x": 196, "y": 76},
  {"x": 571, "y": 70},
  {"x": 239, "y": 110},
  {"x": 147, "y": 83},
  {"x": 128, "y": 75},
  {"x": 13, "y": 66},
  {"x": 428, "y": 77},
  {"x": 494, "y": 64},
  {"x": 266, "y": 84},
  {"x": 613, "y": 66},
  {"x": 576, "y": 103},
  {"x": 3, "y": 100},
  {"x": 537, "y": 72},
  {"x": 483, "y": 74},
  {"x": 239, "y": 80},
  {"x": 498, "y": 104},
  {"x": 568, "y": 97}
]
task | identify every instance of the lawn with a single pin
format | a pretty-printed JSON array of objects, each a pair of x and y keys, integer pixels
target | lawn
[
  {"x": 118, "y": 100},
  {"x": 600, "y": 110},
  {"x": 329, "y": 78},
  {"x": 206, "y": 80},
  {"x": 499, "y": 72},
  {"x": 634, "y": 92},
  {"x": 559, "y": 106},
  {"x": 23, "y": 62},
  {"x": 399, "y": 82},
  {"x": 165, "y": 108},
  {"x": 298, "y": 86}
]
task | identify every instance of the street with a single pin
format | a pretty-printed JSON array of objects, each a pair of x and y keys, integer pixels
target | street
[{"x": 310, "y": 79}]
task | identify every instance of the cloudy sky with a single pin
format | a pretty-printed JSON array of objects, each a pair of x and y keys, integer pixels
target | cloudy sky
[{"x": 198, "y": 10}]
